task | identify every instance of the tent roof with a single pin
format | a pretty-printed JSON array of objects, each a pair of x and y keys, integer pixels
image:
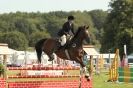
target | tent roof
[
  {"x": 4, "y": 50},
  {"x": 90, "y": 50}
]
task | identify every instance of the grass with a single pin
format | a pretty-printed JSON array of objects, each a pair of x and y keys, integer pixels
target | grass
[{"x": 99, "y": 81}]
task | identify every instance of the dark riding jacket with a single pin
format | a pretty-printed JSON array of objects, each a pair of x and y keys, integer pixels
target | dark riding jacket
[{"x": 66, "y": 28}]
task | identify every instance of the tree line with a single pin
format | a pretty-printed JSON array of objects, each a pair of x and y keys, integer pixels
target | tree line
[
  {"x": 118, "y": 27},
  {"x": 21, "y": 30}
]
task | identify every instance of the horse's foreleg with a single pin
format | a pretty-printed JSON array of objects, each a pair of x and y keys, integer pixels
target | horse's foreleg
[{"x": 86, "y": 71}]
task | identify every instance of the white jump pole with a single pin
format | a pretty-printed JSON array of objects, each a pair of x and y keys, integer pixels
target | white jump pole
[{"x": 125, "y": 52}]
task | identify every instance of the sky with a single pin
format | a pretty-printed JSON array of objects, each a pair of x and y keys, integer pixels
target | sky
[{"x": 7, "y": 6}]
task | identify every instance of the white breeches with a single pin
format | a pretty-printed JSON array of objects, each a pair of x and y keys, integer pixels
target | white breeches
[{"x": 63, "y": 40}]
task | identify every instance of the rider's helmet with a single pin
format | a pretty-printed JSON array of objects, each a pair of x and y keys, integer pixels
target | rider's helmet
[{"x": 71, "y": 17}]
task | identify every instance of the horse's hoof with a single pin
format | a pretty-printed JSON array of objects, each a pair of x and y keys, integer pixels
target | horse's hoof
[{"x": 88, "y": 78}]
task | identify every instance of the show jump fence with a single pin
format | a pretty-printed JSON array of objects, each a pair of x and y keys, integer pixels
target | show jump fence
[
  {"x": 118, "y": 73},
  {"x": 113, "y": 73},
  {"x": 53, "y": 81},
  {"x": 40, "y": 81},
  {"x": 125, "y": 74}
]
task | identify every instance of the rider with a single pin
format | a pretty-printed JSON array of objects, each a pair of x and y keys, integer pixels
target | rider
[{"x": 67, "y": 30}]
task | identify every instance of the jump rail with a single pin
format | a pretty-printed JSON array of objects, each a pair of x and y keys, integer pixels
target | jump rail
[
  {"x": 44, "y": 76},
  {"x": 74, "y": 83},
  {"x": 43, "y": 68}
]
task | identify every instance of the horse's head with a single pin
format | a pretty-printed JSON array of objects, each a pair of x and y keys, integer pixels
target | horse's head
[{"x": 84, "y": 33}]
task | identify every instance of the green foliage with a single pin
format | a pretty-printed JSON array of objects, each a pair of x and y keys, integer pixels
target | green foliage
[
  {"x": 85, "y": 19},
  {"x": 1, "y": 69},
  {"x": 98, "y": 18},
  {"x": 118, "y": 29},
  {"x": 15, "y": 40},
  {"x": 30, "y": 24},
  {"x": 36, "y": 36},
  {"x": 100, "y": 81}
]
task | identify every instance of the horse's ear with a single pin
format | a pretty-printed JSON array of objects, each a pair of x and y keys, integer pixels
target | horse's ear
[
  {"x": 87, "y": 27},
  {"x": 84, "y": 26}
]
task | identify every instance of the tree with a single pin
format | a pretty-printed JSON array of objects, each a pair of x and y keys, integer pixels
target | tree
[
  {"x": 83, "y": 18},
  {"x": 54, "y": 24},
  {"x": 15, "y": 40},
  {"x": 49, "y": 23},
  {"x": 98, "y": 18},
  {"x": 118, "y": 29},
  {"x": 37, "y": 36}
]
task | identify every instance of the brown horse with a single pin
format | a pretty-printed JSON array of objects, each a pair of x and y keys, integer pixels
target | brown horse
[{"x": 73, "y": 50}]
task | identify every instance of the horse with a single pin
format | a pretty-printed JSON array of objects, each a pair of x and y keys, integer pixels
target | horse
[{"x": 73, "y": 49}]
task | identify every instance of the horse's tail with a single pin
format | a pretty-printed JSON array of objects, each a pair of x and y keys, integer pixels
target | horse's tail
[{"x": 38, "y": 47}]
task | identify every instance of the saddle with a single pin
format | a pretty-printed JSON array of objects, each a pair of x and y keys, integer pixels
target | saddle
[{"x": 68, "y": 45}]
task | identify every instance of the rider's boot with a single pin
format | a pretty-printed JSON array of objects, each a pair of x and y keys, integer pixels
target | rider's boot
[
  {"x": 51, "y": 57},
  {"x": 61, "y": 47}
]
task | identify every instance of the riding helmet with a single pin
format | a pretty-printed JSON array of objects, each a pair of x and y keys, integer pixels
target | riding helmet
[{"x": 71, "y": 18}]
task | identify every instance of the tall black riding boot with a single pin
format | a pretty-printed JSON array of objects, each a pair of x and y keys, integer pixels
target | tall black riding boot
[{"x": 51, "y": 57}]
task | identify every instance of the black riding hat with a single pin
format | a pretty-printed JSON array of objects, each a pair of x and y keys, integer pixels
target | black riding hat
[{"x": 71, "y": 18}]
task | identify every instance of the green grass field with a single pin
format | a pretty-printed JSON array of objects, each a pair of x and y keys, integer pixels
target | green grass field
[{"x": 99, "y": 81}]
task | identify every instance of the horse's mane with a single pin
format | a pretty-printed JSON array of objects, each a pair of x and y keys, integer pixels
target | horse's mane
[{"x": 77, "y": 32}]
